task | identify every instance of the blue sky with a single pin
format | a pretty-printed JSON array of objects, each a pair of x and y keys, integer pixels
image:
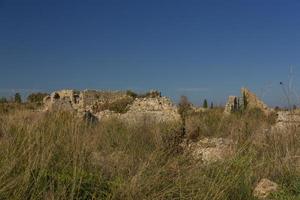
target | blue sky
[{"x": 202, "y": 49}]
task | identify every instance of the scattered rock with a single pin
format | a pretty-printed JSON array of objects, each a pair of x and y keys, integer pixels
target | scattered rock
[
  {"x": 211, "y": 150},
  {"x": 287, "y": 119},
  {"x": 264, "y": 188}
]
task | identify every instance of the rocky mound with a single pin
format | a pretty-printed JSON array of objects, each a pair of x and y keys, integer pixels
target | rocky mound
[
  {"x": 288, "y": 119},
  {"x": 73, "y": 100},
  {"x": 157, "y": 108},
  {"x": 103, "y": 104}
]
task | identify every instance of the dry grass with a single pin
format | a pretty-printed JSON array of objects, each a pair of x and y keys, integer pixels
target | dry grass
[{"x": 57, "y": 156}]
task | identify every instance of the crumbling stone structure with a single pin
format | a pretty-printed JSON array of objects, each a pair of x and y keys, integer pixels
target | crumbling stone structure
[
  {"x": 157, "y": 108},
  {"x": 67, "y": 100},
  {"x": 248, "y": 100},
  {"x": 88, "y": 102},
  {"x": 233, "y": 104},
  {"x": 254, "y": 102},
  {"x": 79, "y": 100}
]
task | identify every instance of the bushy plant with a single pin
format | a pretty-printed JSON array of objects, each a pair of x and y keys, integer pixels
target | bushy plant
[
  {"x": 18, "y": 98},
  {"x": 36, "y": 97},
  {"x": 131, "y": 94},
  {"x": 3, "y": 100},
  {"x": 205, "y": 104},
  {"x": 119, "y": 105}
]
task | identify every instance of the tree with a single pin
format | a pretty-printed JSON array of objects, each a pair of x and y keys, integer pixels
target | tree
[
  {"x": 184, "y": 107},
  {"x": 3, "y": 100},
  {"x": 205, "y": 104},
  {"x": 36, "y": 97},
  {"x": 131, "y": 94},
  {"x": 245, "y": 101},
  {"x": 235, "y": 104},
  {"x": 294, "y": 107},
  {"x": 211, "y": 105},
  {"x": 18, "y": 98}
]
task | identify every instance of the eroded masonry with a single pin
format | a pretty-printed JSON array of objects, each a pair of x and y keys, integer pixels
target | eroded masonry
[
  {"x": 101, "y": 104},
  {"x": 247, "y": 100}
]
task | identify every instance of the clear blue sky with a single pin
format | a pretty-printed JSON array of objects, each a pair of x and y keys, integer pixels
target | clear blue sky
[{"x": 203, "y": 49}]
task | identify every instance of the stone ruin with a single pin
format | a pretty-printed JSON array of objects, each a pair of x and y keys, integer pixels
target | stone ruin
[
  {"x": 285, "y": 119},
  {"x": 87, "y": 102},
  {"x": 160, "y": 109},
  {"x": 73, "y": 100},
  {"x": 68, "y": 100},
  {"x": 236, "y": 103},
  {"x": 232, "y": 104},
  {"x": 288, "y": 119}
]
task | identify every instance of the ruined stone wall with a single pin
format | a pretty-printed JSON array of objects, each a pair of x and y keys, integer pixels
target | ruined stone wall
[
  {"x": 63, "y": 100},
  {"x": 235, "y": 103},
  {"x": 90, "y": 97},
  {"x": 288, "y": 119},
  {"x": 79, "y": 101},
  {"x": 158, "y": 109},
  {"x": 230, "y": 105},
  {"x": 154, "y": 106},
  {"x": 254, "y": 102}
]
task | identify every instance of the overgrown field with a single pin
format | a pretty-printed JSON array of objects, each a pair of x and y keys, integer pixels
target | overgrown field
[{"x": 58, "y": 156}]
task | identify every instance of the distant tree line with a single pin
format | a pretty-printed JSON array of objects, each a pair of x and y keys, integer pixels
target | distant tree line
[
  {"x": 16, "y": 99},
  {"x": 32, "y": 98},
  {"x": 205, "y": 104}
]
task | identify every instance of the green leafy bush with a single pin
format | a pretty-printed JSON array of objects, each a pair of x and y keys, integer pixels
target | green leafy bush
[
  {"x": 36, "y": 97},
  {"x": 118, "y": 106}
]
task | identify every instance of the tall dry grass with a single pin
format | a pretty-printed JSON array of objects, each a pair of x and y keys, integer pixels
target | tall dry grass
[{"x": 58, "y": 156}]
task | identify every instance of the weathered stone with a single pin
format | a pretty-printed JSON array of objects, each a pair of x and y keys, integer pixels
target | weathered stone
[
  {"x": 264, "y": 188},
  {"x": 67, "y": 100},
  {"x": 254, "y": 102},
  {"x": 231, "y": 104},
  {"x": 83, "y": 100},
  {"x": 91, "y": 97},
  {"x": 159, "y": 109},
  {"x": 287, "y": 119},
  {"x": 211, "y": 150},
  {"x": 105, "y": 114},
  {"x": 248, "y": 98},
  {"x": 91, "y": 102}
]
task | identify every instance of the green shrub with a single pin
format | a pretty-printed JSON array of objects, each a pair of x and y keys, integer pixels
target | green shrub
[
  {"x": 18, "y": 98},
  {"x": 3, "y": 100},
  {"x": 205, "y": 104},
  {"x": 119, "y": 106},
  {"x": 184, "y": 107},
  {"x": 36, "y": 97}
]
